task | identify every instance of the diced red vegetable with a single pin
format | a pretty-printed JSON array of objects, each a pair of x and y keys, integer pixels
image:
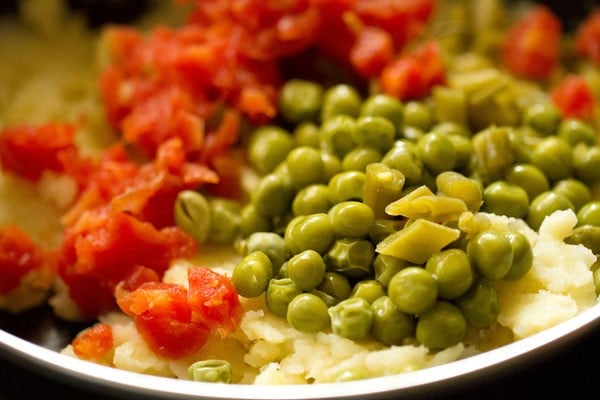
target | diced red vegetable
[
  {"x": 94, "y": 342},
  {"x": 574, "y": 98},
  {"x": 587, "y": 39}
]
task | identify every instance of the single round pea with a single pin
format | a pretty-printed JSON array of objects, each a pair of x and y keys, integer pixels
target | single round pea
[
  {"x": 418, "y": 115},
  {"x": 270, "y": 243},
  {"x": 306, "y": 269},
  {"x": 352, "y": 219},
  {"x": 522, "y": 255},
  {"x": 340, "y": 99},
  {"x": 589, "y": 214},
  {"x": 464, "y": 151},
  {"x": 351, "y": 318},
  {"x": 413, "y": 290},
  {"x": 251, "y": 275},
  {"x": 273, "y": 196},
  {"x": 480, "y": 305},
  {"x": 386, "y": 266},
  {"x": 309, "y": 232},
  {"x": 300, "y": 100},
  {"x": 449, "y": 128},
  {"x": 453, "y": 271},
  {"x": 544, "y": 205},
  {"x": 252, "y": 221},
  {"x": 280, "y": 293},
  {"x": 225, "y": 220},
  {"x": 193, "y": 215},
  {"x": 351, "y": 257},
  {"x": 307, "y": 134},
  {"x": 210, "y": 371},
  {"x": 543, "y": 117},
  {"x": 338, "y": 135},
  {"x": 441, "y": 326},
  {"x": 369, "y": 290},
  {"x": 305, "y": 166},
  {"x": 308, "y": 313},
  {"x": 403, "y": 157},
  {"x": 386, "y": 106},
  {"x": 359, "y": 158},
  {"x": 504, "y": 198},
  {"x": 268, "y": 146},
  {"x": 529, "y": 177},
  {"x": 331, "y": 165},
  {"x": 586, "y": 165},
  {"x": 311, "y": 199},
  {"x": 491, "y": 254},
  {"x": 587, "y": 235},
  {"x": 390, "y": 325},
  {"x": 383, "y": 227},
  {"x": 347, "y": 185},
  {"x": 336, "y": 285},
  {"x": 574, "y": 190},
  {"x": 575, "y": 131},
  {"x": 437, "y": 152},
  {"x": 374, "y": 132},
  {"x": 554, "y": 157}
]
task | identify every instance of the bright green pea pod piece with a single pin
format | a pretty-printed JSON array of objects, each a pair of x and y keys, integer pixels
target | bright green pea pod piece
[
  {"x": 494, "y": 153},
  {"x": 383, "y": 185},
  {"x": 425, "y": 204},
  {"x": 417, "y": 241},
  {"x": 454, "y": 184}
]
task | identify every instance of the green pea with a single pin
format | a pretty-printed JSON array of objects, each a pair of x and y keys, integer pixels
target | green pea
[
  {"x": 529, "y": 177},
  {"x": 543, "y": 117},
  {"x": 374, "y": 132},
  {"x": 575, "y": 131},
  {"x": 347, "y": 185},
  {"x": 544, "y": 205},
  {"x": 360, "y": 158},
  {"x": 352, "y": 219},
  {"x": 251, "y": 275},
  {"x": 369, "y": 290},
  {"x": 307, "y": 134},
  {"x": 300, "y": 100},
  {"x": 305, "y": 166},
  {"x": 390, "y": 325},
  {"x": 386, "y": 266},
  {"x": 225, "y": 220},
  {"x": 280, "y": 293},
  {"x": 413, "y": 290},
  {"x": 574, "y": 190},
  {"x": 437, "y": 152},
  {"x": 453, "y": 272},
  {"x": 383, "y": 227},
  {"x": 586, "y": 165},
  {"x": 449, "y": 128},
  {"x": 193, "y": 215},
  {"x": 491, "y": 254},
  {"x": 336, "y": 285},
  {"x": 268, "y": 146},
  {"x": 441, "y": 326},
  {"x": 210, "y": 371},
  {"x": 331, "y": 165},
  {"x": 403, "y": 157},
  {"x": 309, "y": 232},
  {"x": 351, "y": 257},
  {"x": 308, "y": 313},
  {"x": 311, "y": 199},
  {"x": 252, "y": 221},
  {"x": 273, "y": 196},
  {"x": 270, "y": 243},
  {"x": 306, "y": 269},
  {"x": 504, "y": 198},
  {"x": 418, "y": 115},
  {"x": 338, "y": 135},
  {"x": 596, "y": 275},
  {"x": 522, "y": 255},
  {"x": 340, "y": 99},
  {"x": 589, "y": 214},
  {"x": 464, "y": 152},
  {"x": 386, "y": 106},
  {"x": 480, "y": 305},
  {"x": 351, "y": 318},
  {"x": 554, "y": 157},
  {"x": 587, "y": 235}
]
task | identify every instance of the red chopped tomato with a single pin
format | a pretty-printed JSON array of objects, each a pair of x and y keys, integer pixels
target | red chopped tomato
[
  {"x": 531, "y": 47},
  {"x": 373, "y": 50},
  {"x": 213, "y": 299},
  {"x": 574, "y": 98},
  {"x": 19, "y": 255},
  {"x": 29, "y": 150},
  {"x": 587, "y": 39},
  {"x": 414, "y": 75},
  {"x": 105, "y": 247},
  {"x": 94, "y": 342},
  {"x": 163, "y": 318}
]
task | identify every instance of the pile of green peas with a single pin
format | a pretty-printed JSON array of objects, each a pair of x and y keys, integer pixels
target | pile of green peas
[{"x": 346, "y": 178}]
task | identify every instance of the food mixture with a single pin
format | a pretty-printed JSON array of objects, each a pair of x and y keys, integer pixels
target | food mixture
[{"x": 302, "y": 191}]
